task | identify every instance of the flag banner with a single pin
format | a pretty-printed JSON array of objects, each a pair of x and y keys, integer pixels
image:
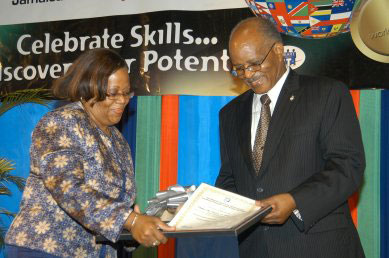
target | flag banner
[{"x": 171, "y": 52}]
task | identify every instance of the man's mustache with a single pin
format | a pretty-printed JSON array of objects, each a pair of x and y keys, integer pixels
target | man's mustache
[{"x": 254, "y": 78}]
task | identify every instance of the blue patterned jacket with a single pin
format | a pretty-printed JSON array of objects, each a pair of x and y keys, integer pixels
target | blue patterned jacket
[{"x": 81, "y": 183}]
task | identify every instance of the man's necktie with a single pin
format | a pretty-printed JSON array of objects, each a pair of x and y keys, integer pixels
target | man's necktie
[{"x": 260, "y": 136}]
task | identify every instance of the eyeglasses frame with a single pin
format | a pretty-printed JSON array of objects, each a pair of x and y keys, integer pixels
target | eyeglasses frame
[
  {"x": 116, "y": 96},
  {"x": 251, "y": 68}
]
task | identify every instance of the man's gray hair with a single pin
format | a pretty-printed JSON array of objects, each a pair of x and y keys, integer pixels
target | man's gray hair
[{"x": 263, "y": 26}]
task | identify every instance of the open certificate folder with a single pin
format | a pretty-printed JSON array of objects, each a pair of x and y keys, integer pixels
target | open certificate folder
[
  {"x": 213, "y": 209},
  {"x": 210, "y": 211}
]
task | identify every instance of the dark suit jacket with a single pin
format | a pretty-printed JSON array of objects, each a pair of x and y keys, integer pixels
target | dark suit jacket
[{"x": 313, "y": 151}]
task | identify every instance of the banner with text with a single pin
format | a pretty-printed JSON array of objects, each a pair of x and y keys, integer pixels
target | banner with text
[{"x": 168, "y": 52}]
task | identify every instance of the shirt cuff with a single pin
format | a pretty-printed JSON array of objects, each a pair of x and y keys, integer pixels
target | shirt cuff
[{"x": 298, "y": 214}]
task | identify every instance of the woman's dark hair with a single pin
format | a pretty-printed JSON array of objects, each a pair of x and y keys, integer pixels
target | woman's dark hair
[{"x": 87, "y": 77}]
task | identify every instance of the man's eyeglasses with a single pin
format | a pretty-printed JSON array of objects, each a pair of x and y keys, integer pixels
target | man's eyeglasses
[
  {"x": 116, "y": 95},
  {"x": 256, "y": 66}
]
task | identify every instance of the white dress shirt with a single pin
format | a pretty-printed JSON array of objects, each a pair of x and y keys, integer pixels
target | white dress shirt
[{"x": 273, "y": 94}]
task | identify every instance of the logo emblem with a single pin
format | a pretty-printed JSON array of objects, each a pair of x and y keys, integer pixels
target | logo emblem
[
  {"x": 370, "y": 30},
  {"x": 294, "y": 57}
]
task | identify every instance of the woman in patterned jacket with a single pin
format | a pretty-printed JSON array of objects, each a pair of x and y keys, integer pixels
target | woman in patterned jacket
[{"x": 81, "y": 181}]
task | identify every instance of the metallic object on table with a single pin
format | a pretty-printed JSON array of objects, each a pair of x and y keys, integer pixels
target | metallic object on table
[{"x": 169, "y": 200}]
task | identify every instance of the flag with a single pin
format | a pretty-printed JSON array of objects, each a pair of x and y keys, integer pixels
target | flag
[
  {"x": 336, "y": 27},
  {"x": 337, "y": 3},
  {"x": 262, "y": 7},
  {"x": 279, "y": 12}
]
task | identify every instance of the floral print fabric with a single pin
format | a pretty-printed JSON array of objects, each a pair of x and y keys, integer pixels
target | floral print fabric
[{"x": 81, "y": 183}]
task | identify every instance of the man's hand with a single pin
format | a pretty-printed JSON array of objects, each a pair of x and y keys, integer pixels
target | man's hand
[{"x": 282, "y": 204}]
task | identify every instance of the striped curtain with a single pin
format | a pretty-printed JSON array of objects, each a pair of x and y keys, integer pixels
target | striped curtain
[
  {"x": 175, "y": 139},
  {"x": 369, "y": 203}
]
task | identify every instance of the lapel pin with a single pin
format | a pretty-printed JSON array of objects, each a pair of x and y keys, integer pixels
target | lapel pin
[{"x": 291, "y": 98}]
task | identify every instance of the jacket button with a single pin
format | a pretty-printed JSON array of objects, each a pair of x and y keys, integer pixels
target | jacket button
[
  {"x": 266, "y": 228},
  {"x": 259, "y": 189}
]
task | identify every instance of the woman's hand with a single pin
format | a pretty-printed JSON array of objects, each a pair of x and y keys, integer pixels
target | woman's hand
[{"x": 146, "y": 229}]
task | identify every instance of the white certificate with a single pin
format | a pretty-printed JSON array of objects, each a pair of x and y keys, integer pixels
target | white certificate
[{"x": 212, "y": 208}]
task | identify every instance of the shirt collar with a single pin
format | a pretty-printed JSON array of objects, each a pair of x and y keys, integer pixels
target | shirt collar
[{"x": 273, "y": 93}]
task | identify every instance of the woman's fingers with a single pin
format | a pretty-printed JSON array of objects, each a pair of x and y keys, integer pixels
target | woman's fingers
[
  {"x": 159, "y": 236},
  {"x": 161, "y": 225},
  {"x": 147, "y": 230},
  {"x": 136, "y": 208}
]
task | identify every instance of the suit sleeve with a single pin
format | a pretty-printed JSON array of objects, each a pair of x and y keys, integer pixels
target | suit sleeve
[
  {"x": 341, "y": 146},
  {"x": 225, "y": 179},
  {"x": 64, "y": 169}
]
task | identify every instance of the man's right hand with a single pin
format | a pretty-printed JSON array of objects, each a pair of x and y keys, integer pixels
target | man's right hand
[{"x": 282, "y": 207}]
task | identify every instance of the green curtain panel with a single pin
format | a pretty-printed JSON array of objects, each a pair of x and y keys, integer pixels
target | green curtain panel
[
  {"x": 147, "y": 157},
  {"x": 369, "y": 202}
]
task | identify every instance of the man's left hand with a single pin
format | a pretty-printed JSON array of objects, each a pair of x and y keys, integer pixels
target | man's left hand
[{"x": 282, "y": 204}]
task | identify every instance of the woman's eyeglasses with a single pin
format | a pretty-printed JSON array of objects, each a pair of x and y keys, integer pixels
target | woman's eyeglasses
[{"x": 116, "y": 95}]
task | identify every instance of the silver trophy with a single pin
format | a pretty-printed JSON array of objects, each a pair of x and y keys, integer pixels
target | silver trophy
[{"x": 169, "y": 200}]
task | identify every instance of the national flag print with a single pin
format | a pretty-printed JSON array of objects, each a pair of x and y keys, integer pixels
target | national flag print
[
  {"x": 262, "y": 7},
  {"x": 342, "y": 6},
  {"x": 322, "y": 29},
  {"x": 252, "y": 5},
  {"x": 281, "y": 19},
  {"x": 320, "y": 2},
  {"x": 306, "y": 17},
  {"x": 336, "y": 27},
  {"x": 300, "y": 20},
  {"x": 346, "y": 27},
  {"x": 324, "y": 7},
  {"x": 271, "y": 5},
  {"x": 291, "y": 31},
  {"x": 340, "y": 16},
  {"x": 313, "y": 21},
  {"x": 319, "y": 36},
  {"x": 312, "y": 8},
  {"x": 299, "y": 29},
  {"x": 321, "y": 12},
  {"x": 298, "y": 12},
  {"x": 280, "y": 13},
  {"x": 332, "y": 34},
  {"x": 331, "y": 22},
  {"x": 320, "y": 17},
  {"x": 297, "y": 9},
  {"x": 337, "y": 3}
]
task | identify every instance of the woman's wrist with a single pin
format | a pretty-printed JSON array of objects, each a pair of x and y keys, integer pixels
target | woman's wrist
[
  {"x": 131, "y": 220},
  {"x": 134, "y": 220}
]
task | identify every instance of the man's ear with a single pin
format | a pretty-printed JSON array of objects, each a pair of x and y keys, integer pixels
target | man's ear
[{"x": 279, "y": 48}]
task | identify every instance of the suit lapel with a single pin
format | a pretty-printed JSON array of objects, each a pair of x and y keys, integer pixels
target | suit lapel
[
  {"x": 285, "y": 105},
  {"x": 245, "y": 115}
]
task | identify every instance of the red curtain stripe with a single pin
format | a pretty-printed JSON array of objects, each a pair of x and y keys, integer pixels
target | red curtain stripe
[
  {"x": 169, "y": 156},
  {"x": 353, "y": 200}
]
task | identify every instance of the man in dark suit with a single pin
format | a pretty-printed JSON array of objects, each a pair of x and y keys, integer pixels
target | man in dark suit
[{"x": 305, "y": 162}]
